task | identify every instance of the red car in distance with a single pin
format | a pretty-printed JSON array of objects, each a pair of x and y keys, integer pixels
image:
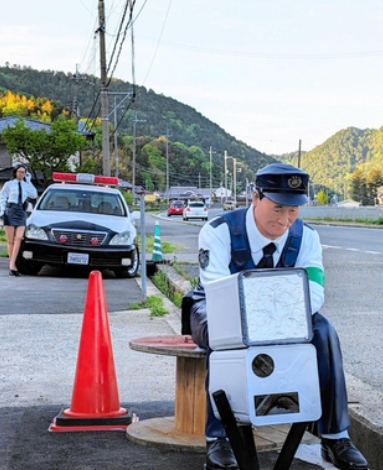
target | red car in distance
[{"x": 176, "y": 208}]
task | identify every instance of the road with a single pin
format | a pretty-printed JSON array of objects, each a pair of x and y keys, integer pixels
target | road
[
  {"x": 353, "y": 261},
  {"x": 39, "y": 352}
]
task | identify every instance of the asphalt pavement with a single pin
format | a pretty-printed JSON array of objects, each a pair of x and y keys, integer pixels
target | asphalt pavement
[{"x": 38, "y": 353}]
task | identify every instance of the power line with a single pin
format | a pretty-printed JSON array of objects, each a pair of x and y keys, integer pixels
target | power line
[
  {"x": 158, "y": 42},
  {"x": 261, "y": 55}
]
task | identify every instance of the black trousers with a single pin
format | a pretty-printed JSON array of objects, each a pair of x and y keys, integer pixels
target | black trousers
[{"x": 330, "y": 369}]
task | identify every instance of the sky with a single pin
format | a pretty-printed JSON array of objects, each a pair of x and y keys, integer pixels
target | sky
[{"x": 269, "y": 72}]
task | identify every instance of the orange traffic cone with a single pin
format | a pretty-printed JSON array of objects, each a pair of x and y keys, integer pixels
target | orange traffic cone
[{"x": 95, "y": 404}]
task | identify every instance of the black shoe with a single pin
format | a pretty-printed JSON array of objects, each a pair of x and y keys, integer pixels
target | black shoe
[
  {"x": 219, "y": 455},
  {"x": 343, "y": 454},
  {"x": 14, "y": 273}
]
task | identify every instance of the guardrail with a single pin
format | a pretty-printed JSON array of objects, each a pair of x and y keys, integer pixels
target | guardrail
[{"x": 342, "y": 213}]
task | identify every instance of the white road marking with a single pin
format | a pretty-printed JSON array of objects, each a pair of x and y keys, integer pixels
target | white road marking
[{"x": 336, "y": 247}]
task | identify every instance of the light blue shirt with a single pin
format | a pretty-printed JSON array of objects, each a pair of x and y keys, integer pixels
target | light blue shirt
[{"x": 10, "y": 193}]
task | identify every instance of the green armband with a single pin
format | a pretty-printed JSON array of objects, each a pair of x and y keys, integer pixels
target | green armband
[{"x": 316, "y": 275}]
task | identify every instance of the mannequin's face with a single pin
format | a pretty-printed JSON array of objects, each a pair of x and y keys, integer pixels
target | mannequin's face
[
  {"x": 20, "y": 174},
  {"x": 272, "y": 219}
]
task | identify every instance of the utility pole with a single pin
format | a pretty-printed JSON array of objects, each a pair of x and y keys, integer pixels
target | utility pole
[
  {"x": 103, "y": 92},
  {"x": 235, "y": 180},
  {"x": 225, "y": 157},
  {"x": 135, "y": 121},
  {"x": 115, "y": 137},
  {"x": 75, "y": 110},
  {"x": 299, "y": 153},
  {"x": 167, "y": 163},
  {"x": 211, "y": 169}
]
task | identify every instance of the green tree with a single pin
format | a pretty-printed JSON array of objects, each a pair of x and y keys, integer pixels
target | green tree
[
  {"x": 44, "y": 151},
  {"x": 374, "y": 182},
  {"x": 358, "y": 186},
  {"x": 322, "y": 198}
]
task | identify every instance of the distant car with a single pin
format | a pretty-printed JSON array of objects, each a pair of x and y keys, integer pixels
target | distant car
[
  {"x": 81, "y": 221},
  {"x": 195, "y": 210},
  {"x": 176, "y": 208},
  {"x": 228, "y": 205}
]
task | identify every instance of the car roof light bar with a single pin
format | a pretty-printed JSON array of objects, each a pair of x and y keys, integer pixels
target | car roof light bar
[{"x": 84, "y": 178}]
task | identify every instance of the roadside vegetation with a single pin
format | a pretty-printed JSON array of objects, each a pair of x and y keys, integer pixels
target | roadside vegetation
[
  {"x": 3, "y": 241},
  {"x": 160, "y": 280},
  {"x": 166, "y": 247},
  {"x": 346, "y": 221},
  {"x": 178, "y": 268},
  {"x": 154, "y": 303}
]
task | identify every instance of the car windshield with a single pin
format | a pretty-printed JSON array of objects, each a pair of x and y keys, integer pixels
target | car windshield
[{"x": 76, "y": 200}]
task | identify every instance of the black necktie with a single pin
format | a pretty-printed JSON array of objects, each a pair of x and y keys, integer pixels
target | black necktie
[
  {"x": 267, "y": 259},
  {"x": 20, "y": 194}
]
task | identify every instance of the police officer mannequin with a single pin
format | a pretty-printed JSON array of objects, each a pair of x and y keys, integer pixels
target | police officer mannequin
[
  {"x": 268, "y": 222},
  {"x": 12, "y": 198}
]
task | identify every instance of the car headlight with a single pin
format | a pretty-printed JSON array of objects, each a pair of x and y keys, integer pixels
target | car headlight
[
  {"x": 123, "y": 238},
  {"x": 36, "y": 233}
]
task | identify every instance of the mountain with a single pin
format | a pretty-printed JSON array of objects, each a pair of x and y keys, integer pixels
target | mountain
[
  {"x": 186, "y": 125},
  {"x": 332, "y": 162}
]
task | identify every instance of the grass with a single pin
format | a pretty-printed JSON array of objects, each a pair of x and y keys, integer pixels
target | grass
[
  {"x": 160, "y": 280},
  {"x": 3, "y": 241},
  {"x": 193, "y": 280},
  {"x": 154, "y": 303},
  {"x": 166, "y": 247},
  {"x": 351, "y": 221}
]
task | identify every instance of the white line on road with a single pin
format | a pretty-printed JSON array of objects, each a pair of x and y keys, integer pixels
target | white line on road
[{"x": 336, "y": 247}]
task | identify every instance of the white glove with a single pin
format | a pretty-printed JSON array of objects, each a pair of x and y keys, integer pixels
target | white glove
[{"x": 28, "y": 176}]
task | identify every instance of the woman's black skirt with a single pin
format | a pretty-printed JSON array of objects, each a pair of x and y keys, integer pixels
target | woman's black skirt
[{"x": 15, "y": 215}]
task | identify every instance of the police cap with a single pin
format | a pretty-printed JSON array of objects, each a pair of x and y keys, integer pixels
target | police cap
[{"x": 283, "y": 184}]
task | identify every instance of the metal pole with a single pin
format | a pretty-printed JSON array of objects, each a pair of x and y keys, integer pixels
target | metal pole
[
  {"x": 135, "y": 121},
  {"x": 167, "y": 165},
  {"x": 103, "y": 92},
  {"x": 134, "y": 160},
  {"x": 115, "y": 137},
  {"x": 225, "y": 157},
  {"x": 143, "y": 247},
  {"x": 299, "y": 153},
  {"x": 235, "y": 180},
  {"x": 211, "y": 187}
]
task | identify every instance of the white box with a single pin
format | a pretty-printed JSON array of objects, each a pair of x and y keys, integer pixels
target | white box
[
  {"x": 258, "y": 307},
  {"x": 268, "y": 385}
]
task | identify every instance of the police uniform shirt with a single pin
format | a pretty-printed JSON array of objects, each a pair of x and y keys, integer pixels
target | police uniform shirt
[
  {"x": 10, "y": 193},
  {"x": 215, "y": 241}
]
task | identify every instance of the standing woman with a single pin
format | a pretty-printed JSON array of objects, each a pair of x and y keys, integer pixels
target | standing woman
[{"x": 13, "y": 201}]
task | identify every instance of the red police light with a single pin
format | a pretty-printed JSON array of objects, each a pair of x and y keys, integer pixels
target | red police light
[{"x": 84, "y": 178}]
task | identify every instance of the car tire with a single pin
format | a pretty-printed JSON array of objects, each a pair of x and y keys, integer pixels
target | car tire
[
  {"x": 169, "y": 215},
  {"x": 29, "y": 268},
  {"x": 124, "y": 273}
]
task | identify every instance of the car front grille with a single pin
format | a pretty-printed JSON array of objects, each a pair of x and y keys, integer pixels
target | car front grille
[{"x": 78, "y": 237}]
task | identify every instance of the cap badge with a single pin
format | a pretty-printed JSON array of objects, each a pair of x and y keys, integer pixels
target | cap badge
[{"x": 294, "y": 182}]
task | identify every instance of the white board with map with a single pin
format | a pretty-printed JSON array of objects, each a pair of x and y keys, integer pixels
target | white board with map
[{"x": 275, "y": 306}]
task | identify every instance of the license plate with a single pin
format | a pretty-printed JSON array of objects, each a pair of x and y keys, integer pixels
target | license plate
[{"x": 78, "y": 258}]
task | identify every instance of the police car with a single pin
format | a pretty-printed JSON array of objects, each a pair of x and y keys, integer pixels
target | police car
[{"x": 80, "y": 220}]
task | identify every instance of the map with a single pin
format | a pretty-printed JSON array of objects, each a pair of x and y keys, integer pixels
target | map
[{"x": 276, "y": 307}]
